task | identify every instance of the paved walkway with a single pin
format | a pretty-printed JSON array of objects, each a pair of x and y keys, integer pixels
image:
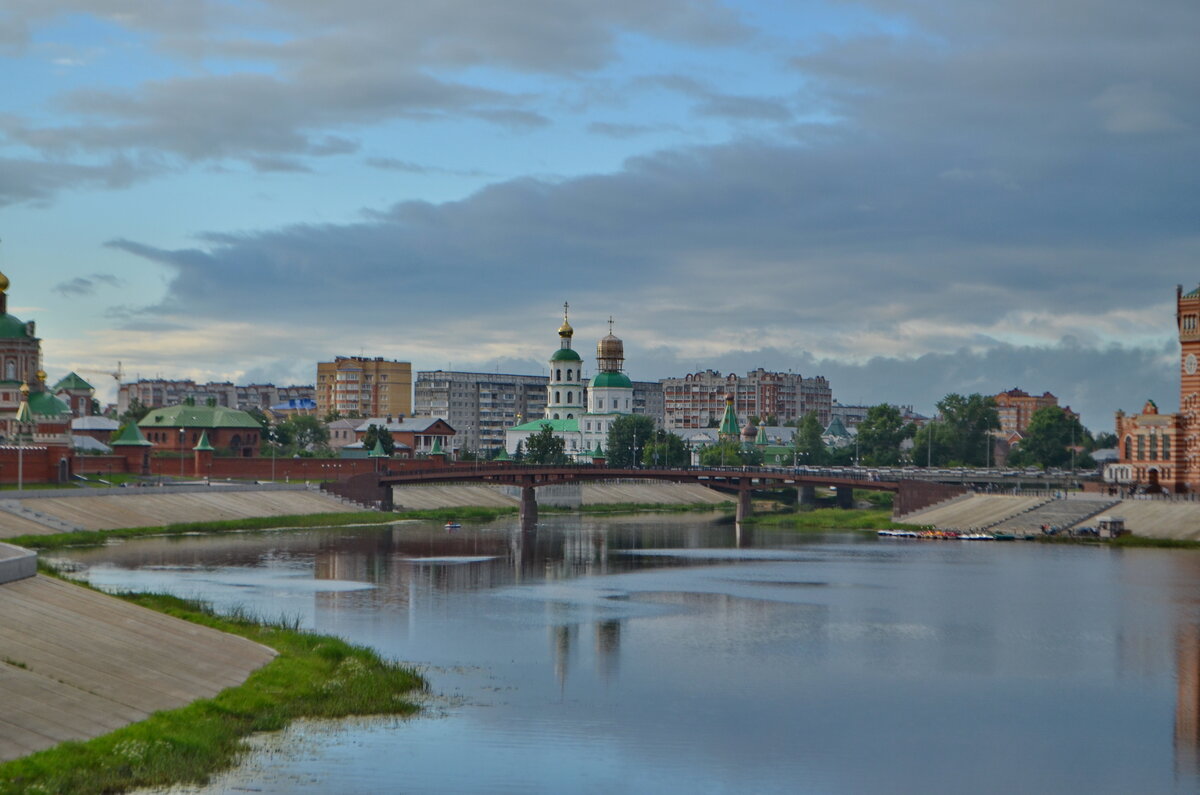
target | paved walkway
[{"x": 75, "y": 664}]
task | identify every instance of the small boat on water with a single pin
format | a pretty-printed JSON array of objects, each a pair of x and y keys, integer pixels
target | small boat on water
[{"x": 452, "y": 525}]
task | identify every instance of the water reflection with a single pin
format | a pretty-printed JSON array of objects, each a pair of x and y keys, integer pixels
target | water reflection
[{"x": 692, "y": 656}]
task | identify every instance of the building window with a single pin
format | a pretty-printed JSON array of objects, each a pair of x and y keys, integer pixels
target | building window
[
  {"x": 614, "y": 400},
  {"x": 1153, "y": 447},
  {"x": 558, "y": 375},
  {"x": 1128, "y": 449},
  {"x": 570, "y": 397},
  {"x": 1141, "y": 448},
  {"x": 1166, "y": 448},
  {"x": 557, "y": 397},
  {"x": 569, "y": 374}
]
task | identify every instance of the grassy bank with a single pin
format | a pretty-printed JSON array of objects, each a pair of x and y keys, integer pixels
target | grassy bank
[
  {"x": 312, "y": 676},
  {"x": 829, "y": 519},
  {"x": 654, "y": 507},
  {"x": 99, "y": 537}
]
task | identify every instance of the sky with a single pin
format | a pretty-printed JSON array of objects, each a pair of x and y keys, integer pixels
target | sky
[{"x": 908, "y": 198}]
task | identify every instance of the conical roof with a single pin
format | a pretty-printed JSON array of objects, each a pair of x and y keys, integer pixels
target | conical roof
[
  {"x": 437, "y": 447},
  {"x": 729, "y": 422},
  {"x": 130, "y": 436},
  {"x": 836, "y": 428},
  {"x": 503, "y": 456},
  {"x": 203, "y": 445},
  {"x": 378, "y": 451}
]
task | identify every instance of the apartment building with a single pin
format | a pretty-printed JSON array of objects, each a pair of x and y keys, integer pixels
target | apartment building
[
  {"x": 1016, "y": 407},
  {"x": 698, "y": 399},
  {"x": 364, "y": 387},
  {"x": 479, "y": 406},
  {"x": 160, "y": 393},
  {"x": 648, "y": 400}
]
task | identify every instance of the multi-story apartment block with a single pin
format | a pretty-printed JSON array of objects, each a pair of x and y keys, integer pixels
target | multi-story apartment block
[
  {"x": 648, "y": 400},
  {"x": 698, "y": 399},
  {"x": 1016, "y": 407},
  {"x": 479, "y": 406},
  {"x": 160, "y": 393},
  {"x": 364, "y": 387}
]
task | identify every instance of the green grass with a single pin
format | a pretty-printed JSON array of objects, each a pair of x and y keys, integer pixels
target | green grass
[
  {"x": 312, "y": 676},
  {"x": 99, "y": 537},
  {"x": 830, "y": 519},
  {"x": 643, "y": 507}
]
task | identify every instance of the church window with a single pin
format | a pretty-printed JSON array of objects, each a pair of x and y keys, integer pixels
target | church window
[
  {"x": 615, "y": 403},
  {"x": 10, "y": 370},
  {"x": 556, "y": 415},
  {"x": 557, "y": 397},
  {"x": 626, "y": 402},
  {"x": 1141, "y": 448},
  {"x": 1166, "y": 448},
  {"x": 589, "y": 425},
  {"x": 570, "y": 397},
  {"x": 558, "y": 375},
  {"x": 569, "y": 374}
]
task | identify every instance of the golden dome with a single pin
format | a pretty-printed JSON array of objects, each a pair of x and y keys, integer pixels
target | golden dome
[
  {"x": 25, "y": 389},
  {"x": 41, "y": 375},
  {"x": 610, "y": 347},
  {"x": 565, "y": 329},
  {"x": 3, "y": 283}
]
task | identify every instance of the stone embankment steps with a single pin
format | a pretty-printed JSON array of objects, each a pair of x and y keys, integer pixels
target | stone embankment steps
[
  {"x": 1061, "y": 513},
  {"x": 1160, "y": 518},
  {"x": 35, "y": 518},
  {"x": 978, "y": 510},
  {"x": 639, "y": 492},
  {"x": 127, "y": 508},
  {"x": 75, "y": 663},
  {"x": 915, "y": 516}
]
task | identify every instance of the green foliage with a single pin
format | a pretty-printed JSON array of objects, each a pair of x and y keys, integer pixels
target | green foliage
[
  {"x": 628, "y": 437},
  {"x": 880, "y": 435},
  {"x": 730, "y": 454},
  {"x": 1103, "y": 441},
  {"x": 260, "y": 417},
  {"x": 666, "y": 449},
  {"x": 829, "y": 519},
  {"x": 312, "y": 676},
  {"x": 379, "y": 433},
  {"x": 810, "y": 449},
  {"x": 1049, "y": 440},
  {"x": 135, "y": 413},
  {"x": 545, "y": 448}
]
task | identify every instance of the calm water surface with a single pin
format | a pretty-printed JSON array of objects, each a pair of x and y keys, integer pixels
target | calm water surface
[{"x": 677, "y": 655}]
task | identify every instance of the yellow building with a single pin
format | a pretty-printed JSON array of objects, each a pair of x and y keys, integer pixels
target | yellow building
[{"x": 365, "y": 387}]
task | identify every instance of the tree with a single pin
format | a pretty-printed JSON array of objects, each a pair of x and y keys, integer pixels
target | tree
[
  {"x": 730, "y": 454},
  {"x": 1049, "y": 439},
  {"x": 306, "y": 431},
  {"x": 379, "y": 433},
  {"x": 807, "y": 441},
  {"x": 333, "y": 415},
  {"x": 666, "y": 449},
  {"x": 519, "y": 453},
  {"x": 1104, "y": 440},
  {"x": 880, "y": 435},
  {"x": 971, "y": 420},
  {"x": 259, "y": 416},
  {"x": 545, "y": 448},
  {"x": 135, "y": 413},
  {"x": 627, "y": 439}
]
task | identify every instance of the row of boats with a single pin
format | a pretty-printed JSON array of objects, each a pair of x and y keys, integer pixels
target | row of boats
[{"x": 947, "y": 535}]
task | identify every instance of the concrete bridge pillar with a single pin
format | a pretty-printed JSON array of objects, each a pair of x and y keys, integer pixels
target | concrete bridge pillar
[
  {"x": 744, "y": 506},
  {"x": 806, "y": 495},
  {"x": 845, "y": 497},
  {"x": 529, "y": 508}
]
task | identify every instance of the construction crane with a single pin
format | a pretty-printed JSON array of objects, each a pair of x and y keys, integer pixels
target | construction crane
[{"x": 118, "y": 374}]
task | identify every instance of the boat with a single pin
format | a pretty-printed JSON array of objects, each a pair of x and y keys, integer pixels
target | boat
[{"x": 452, "y": 525}]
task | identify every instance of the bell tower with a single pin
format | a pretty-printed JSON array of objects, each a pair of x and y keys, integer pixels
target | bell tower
[{"x": 1187, "y": 318}]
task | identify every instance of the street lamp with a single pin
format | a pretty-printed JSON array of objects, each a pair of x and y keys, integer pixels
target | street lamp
[
  {"x": 271, "y": 443},
  {"x": 181, "y": 433}
]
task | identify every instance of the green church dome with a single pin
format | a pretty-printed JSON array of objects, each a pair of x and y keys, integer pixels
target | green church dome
[
  {"x": 12, "y": 328},
  {"x": 565, "y": 355},
  {"x": 612, "y": 380}
]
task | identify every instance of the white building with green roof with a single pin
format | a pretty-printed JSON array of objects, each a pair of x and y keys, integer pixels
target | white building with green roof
[{"x": 581, "y": 418}]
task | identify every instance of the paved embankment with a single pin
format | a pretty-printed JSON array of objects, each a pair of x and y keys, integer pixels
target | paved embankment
[
  {"x": 1153, "y": 518},
  {"x": 637, "y": 492},
  {"x": 106, "y": 510},
  {"x": 76, "y": 664}
]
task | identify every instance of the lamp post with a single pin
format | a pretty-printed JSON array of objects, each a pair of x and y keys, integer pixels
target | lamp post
[
  {"x": 181, "y": 433},
  {"x": 271, "y": 442}
]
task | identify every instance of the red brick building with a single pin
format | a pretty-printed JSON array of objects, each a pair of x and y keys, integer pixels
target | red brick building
[
  {"x": 178, "y": 429},
  {"x": 1016, "y": 407},
  {"x": 1162, "y": 451}
]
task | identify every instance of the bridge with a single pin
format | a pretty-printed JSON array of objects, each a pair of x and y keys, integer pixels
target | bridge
[{"x": 741, "y": 480}]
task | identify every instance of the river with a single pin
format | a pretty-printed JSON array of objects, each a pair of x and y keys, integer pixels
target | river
[{"x": 675, "y": 654}]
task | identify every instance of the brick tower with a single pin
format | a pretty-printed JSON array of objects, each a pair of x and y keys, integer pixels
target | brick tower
[{"x": 1187, "y": 317}]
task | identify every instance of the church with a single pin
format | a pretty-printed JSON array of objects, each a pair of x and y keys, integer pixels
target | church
[
  {"x": 580, "y": 412},
  {"x": 1161, "y": 452}
]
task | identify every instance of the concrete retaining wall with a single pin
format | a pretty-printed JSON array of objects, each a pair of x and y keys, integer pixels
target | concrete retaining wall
[{"x": 16, "y": 563}]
